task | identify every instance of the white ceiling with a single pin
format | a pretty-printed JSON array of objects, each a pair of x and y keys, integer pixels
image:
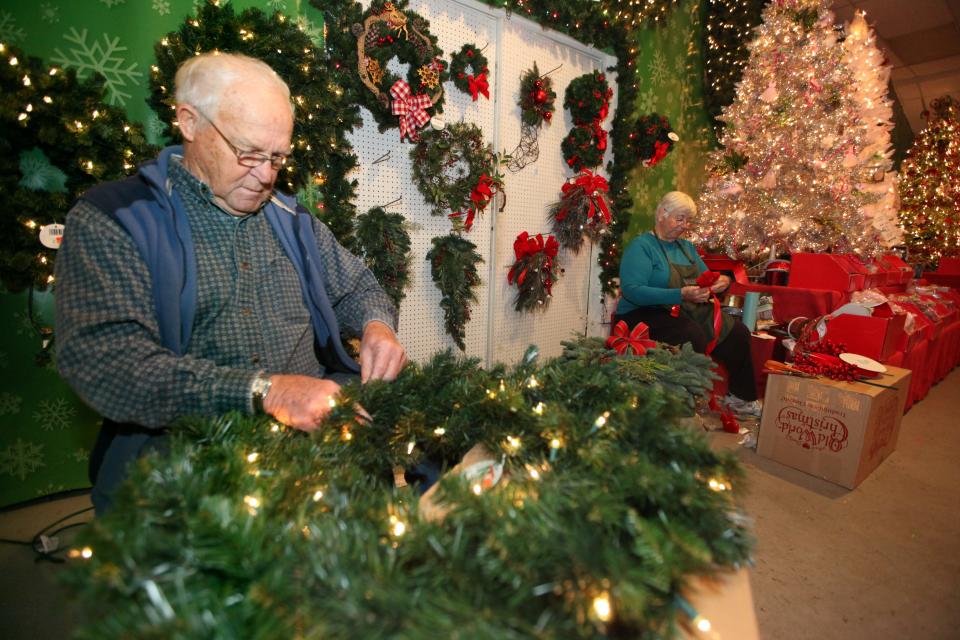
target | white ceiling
[{"x": 921, "y": 39}]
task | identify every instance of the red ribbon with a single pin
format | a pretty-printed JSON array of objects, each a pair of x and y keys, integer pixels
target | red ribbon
[
  {"x": 480, "y": 197},
  {"x": 593, "y": 187},
  {"x": 411, "y": 109},
  {"x": 479, "y": 85},
  {"x": 526, "y": 246},
  {"x": 660, "y": 150},
  {"x": 707, "y": 279},
  {"x": 717, "y": 323},
  {"x": 600, "y": 134},
  {"x": 636, "y": 340}
]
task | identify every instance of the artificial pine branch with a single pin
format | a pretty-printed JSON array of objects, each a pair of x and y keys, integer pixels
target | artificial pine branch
[
  {"x": 453, "y": 267},
  {"x": 385, "y": 246}
]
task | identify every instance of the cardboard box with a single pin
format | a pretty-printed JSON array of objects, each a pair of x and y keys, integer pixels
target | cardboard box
[
  {"x": 838, "y": 431},
  {"x": 870, "y": 336}
]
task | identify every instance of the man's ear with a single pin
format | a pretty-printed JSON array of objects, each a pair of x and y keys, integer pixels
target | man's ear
[{"x": 188, "y": 120}]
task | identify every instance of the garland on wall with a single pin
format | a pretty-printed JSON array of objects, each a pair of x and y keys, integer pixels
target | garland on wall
[
  {"x": 453, "y": 268},
  {"x": 58, "y": 138},
  {"x": 326, "y": 112},
  {"x": 535, "y": 269},
  {"x": 384, "y": 244},
  {"x": 315, "y": 539}
]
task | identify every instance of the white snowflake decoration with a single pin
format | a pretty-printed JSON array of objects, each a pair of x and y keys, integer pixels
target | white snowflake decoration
[
  {"x": 161, "y": 6},
  {"x": 9, "y": 403},
  {"x": 658, "y": 68},
  {"x": 112, "y": 3},
  {"x": 647, "y": 101},
  {"x": 102, "y": 58},
  {"x": 80, "y": 455},
  {"x": 277, "y": 5},
  {"x": 50, "y": 489},
  {"x": 9, "y": 31},
  {"x": 55, "y": 415},
  {"x": 49, "y": 13},
  {"x": 154, "y": 129},
  {"x": 21, "y": 459}
]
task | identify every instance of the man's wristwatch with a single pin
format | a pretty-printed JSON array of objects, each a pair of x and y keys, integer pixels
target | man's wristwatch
[{"x": 259, "y": 389}]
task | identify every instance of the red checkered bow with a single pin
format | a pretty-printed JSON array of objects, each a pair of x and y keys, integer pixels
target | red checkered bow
[
  {"x": 411, "y": 109},
  {"x": 637, "y": 341}
]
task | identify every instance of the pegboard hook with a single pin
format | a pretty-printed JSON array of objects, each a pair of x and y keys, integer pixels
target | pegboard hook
[
  {"x": 484, "y": 47},
  {"x": 392, "y": 202},
  {"x": 551, "y": 70},
  {"x": 382, "y": 158}
]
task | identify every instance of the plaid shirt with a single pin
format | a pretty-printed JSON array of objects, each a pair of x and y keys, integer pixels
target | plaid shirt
[{"x": 250, "y": 312}]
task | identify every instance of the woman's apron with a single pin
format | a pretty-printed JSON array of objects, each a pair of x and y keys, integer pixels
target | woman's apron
[{"x": 683, "y": 275}]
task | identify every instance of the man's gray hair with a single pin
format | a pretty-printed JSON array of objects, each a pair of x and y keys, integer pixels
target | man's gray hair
[
  {"x": 202, "y": 80},
  {"x": 675, "y": 202}
]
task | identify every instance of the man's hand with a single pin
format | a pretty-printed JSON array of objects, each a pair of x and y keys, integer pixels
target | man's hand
[
  {"x": 381, "y": 354},
  {"x": 721, "y": 284},
  {"x": 694, "y": 293},
  {"x": 300, "y": 402}
]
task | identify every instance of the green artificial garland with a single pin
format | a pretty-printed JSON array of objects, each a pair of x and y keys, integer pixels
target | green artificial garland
[
  {"x": 448, "y": 164},
  {"x": 389, "y": 31},
  {"x": 58, "y": 138},
  {"x": 385, "y": 246},
  {"x": 472, "y": 59},
  {"x": 325, "y": 111},
  {"x": 453, "y": 267},
  {"x": 249, "y": 529}
]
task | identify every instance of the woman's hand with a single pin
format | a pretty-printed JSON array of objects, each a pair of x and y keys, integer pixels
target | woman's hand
[
  {"x": 721, "y": 284},
  {"x": 694, "y": 294}
]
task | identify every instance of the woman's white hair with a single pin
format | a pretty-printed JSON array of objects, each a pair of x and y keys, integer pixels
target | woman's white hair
[
  {"x": 202, "y": 80},
  {"x": 675, "y": 202}
]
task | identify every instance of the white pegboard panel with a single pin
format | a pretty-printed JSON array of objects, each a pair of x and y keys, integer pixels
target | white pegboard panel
[{"x": 495, "y": 333}]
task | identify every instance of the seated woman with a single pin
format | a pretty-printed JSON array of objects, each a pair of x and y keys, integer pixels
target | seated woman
[{"x": 658, "y": 287}]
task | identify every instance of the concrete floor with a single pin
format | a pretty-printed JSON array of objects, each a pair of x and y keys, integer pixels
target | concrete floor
[{"x": 879, "y": 562}]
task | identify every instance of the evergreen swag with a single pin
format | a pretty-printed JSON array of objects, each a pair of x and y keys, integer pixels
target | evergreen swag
[
  {"x": 477, "y": 81},
  {"x": 57, "y": 139},
  {"x": 449, "y": 164},
  {"x": 453, "y": 267},
  {"x": 247, "y": 529},
  {"x": 534, "y": 270},
  {"x": 385, "y": 246},
  {"x": 325, "y": 111},
  {"x": 388, "y": 30},
  {"x": 584, "y": 207}
]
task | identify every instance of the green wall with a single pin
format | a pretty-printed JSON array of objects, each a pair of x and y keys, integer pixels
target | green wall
[{"x": 45, "y": 430}]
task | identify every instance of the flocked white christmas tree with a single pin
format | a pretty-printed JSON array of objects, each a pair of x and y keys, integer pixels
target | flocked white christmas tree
[
  {"x": 788, "y": 176},
  {"x": 871, "y": 77}
]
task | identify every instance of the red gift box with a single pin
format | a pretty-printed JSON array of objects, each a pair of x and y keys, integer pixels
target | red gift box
[
  {"x": 831, "y": 271},
  {"x": 949, "y": 266},
  {"x": 899, "y": 272},
  {"x": 872, "y": 336}
]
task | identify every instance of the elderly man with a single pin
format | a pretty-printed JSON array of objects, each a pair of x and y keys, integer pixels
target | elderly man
[{"x": 194, "y": 288}]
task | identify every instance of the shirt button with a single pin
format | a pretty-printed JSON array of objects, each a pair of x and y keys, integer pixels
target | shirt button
[
  {"x": 255, "y": 360},
  {"x": 246, "y": 311},
  {"x": 245, "y": 266}
]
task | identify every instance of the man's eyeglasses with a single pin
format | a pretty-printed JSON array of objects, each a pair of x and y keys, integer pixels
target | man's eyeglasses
[{"x": 249, "y": 159}]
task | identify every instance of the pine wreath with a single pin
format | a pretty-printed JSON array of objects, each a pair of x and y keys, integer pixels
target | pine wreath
[
  {"x": 582, "y": 147},
  {"x": 453, "y": 267},
  {"x": 325, "y": 109},
  {"x": 535, "y": 269},
  {"x": 583, "y": 208},
  {"x": 58, "y": 138},
  {"x": 652, "y": 138},
  {"x": 477, "y": 81},
  {"x": 449, "y": 163},
  {"x": 385, "y": 246},
  {"x": 390, "y": 31},
  {"x": 588, "y": 98}
]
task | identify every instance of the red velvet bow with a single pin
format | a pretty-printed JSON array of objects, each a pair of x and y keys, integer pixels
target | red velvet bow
[
  {"x": 707, "y": 278},
  {"x": 660, "y": 150},
  {"x": 636, "y": 340},
  {"x": 600, "y": 134},
  {"x": 479, "y": 85},
  {"x": 481, "y": 194},
  {"x": 593, "y": 186},
  {"x": 526, "y": 246},
  {"x": 411, "y": 109}
]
